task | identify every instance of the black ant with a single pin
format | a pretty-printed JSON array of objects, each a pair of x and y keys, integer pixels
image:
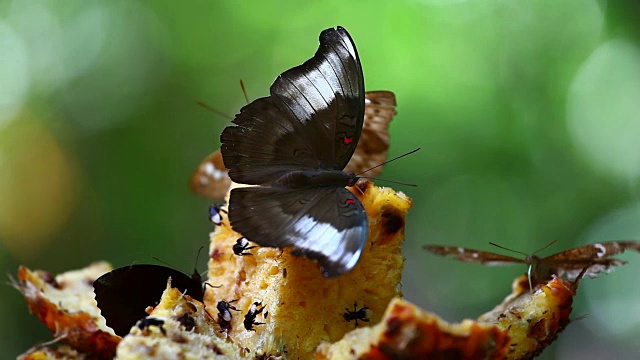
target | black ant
[{"x": 356, "y": 314}]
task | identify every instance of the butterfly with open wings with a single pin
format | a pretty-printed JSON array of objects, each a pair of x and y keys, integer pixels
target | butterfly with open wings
[{"x": 595, "y": 257}]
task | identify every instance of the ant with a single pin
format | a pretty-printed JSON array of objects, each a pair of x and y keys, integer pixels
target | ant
[{"x": 356, "y": 314}]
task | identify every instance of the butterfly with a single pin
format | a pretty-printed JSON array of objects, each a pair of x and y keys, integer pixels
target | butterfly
[
  {"x": 294, "y": 144},
  {"x": 123, "y": 294},
  {"x": 594, "y": 257},
  {"x": 211, "y": 178}
]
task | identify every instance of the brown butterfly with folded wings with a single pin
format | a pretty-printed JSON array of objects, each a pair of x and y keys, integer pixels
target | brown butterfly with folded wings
[
  {"x": 211, "y": 179},
  {"x": 595, "y": 257}
]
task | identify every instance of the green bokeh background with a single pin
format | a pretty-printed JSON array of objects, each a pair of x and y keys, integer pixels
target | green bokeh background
[{"x": 528, "y": 113}]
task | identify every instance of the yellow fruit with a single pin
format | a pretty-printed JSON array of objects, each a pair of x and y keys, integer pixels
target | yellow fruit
[{"x": 301, "y": 307}]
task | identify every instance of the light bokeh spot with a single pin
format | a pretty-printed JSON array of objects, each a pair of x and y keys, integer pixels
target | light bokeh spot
[
  {"x": 41, "y": 30},
  {"x": 603, "y": 110},
  {"x": 14, "y": 73},
  {"x": 38, "y": 187}
]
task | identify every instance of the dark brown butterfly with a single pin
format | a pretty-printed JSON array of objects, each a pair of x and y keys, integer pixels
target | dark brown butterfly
[
  {"x": 123, "y": 294},
  {"x": 211, "y": 178},
  {"x": 595, "y": 257}
]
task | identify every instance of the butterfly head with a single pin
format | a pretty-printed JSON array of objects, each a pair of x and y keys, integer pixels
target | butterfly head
[
  {"x": 352, "y": 179},
  {"x": 538, "y": 271}
]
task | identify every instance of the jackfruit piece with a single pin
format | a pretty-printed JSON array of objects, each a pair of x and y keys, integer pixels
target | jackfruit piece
[
  {"x": 178, "y": 327},
  {"x": 533, "y": 320},
  {"x": 65, "y": 304},
  {"x": 407, "y": 332},
  {"x": 301, "y": 307}
]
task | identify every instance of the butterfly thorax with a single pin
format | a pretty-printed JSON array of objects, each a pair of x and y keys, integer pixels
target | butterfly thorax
[
  {"x": 540, "y": 271},
  {"x": 315, "y": 178}
]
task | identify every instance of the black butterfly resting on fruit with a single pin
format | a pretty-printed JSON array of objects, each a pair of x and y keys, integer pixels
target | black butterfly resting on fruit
[
  {"x": 594, "y": 257},
  {"x": 123, "y": 294},
  {"x": 295, "y": 143}
]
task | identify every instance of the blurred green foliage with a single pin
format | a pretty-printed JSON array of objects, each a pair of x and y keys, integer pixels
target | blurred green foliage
[{"x": 527, "y": 113}]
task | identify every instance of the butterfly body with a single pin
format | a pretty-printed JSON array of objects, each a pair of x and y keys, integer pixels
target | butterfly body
[
  {"x": 295, "y": 144},
  {"x": 315, "y": 178}
]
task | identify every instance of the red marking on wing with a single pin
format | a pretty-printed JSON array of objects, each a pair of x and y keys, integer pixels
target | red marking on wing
[
  {"x": 348, "y": 140},
  {"x": 350, "y": 202}
]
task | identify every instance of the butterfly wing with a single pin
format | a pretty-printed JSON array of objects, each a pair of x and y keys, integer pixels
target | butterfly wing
[
  {"x": 312, "y": 119},
  {"x": 379, "y": 110},
  {"x": 471, "y": 255},
  {"x": 211, "y": 178},
  {"x": 595, "y": 256},
  {"x": 124, "y": 293},
  {"x": 326, "y": 224}
]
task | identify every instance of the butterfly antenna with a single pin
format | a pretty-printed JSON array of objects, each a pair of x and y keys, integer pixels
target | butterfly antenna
[
  {"x": 206, "y": 311},
  {"x": 213, "y": 110},
  {"x": 198, "y": 256},
  {"x": 544, "y": 247},
  {"x": 391, "y": 181},
  {"x": 505, "y": 248},
  {"x": 580, "y": 318},
  {"x": 388, "y": 161},
  {"x": 163, "y": 262},
  {"x": 212, "y": 286},
  {"x": 244, "y": 91},
  {"x": 195, "y": 267}
]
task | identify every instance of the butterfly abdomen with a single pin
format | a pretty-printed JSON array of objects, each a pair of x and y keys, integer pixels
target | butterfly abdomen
[{"x": 313, "y": 179}]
